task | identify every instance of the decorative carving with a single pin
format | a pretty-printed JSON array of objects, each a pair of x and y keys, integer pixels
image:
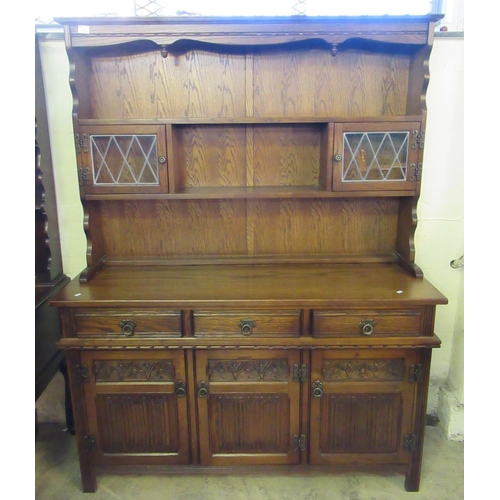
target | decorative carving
[
  {"x": 133, "y": 371},
  {"x": 378, "y": 369},
  {"x": 70, "y": 345},
  {"x": 231, "y": 370}
]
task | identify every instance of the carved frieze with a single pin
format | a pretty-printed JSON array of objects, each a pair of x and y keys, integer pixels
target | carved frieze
[
  {"x": 353, "y": 369},
  {"x": 237, "y": 370},
  {"x": 133, "y": 371}
]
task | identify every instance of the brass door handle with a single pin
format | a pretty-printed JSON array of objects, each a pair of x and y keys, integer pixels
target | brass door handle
[
  {"x": 202, "y": 389},
  {"x": 180, "y": 389},
  {"x": 317, "y": 389}
]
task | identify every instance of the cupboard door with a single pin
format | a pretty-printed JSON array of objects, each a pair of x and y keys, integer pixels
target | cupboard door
[
  {"x": 123, "y": 159},
  {"x": 136, "y": 407},
  {"x": 361, "y": 406},
  {"x": 248, "y": 407},
  {"x": 376, "y": 156}
]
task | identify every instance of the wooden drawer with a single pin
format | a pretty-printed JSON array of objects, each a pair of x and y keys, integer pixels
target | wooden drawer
[
  {"x": 346, "y": 323},
  {"x": 127, "y": 323},
  {"x": 247, "y": 323}
]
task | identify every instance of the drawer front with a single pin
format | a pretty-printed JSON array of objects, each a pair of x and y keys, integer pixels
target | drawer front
[
  {"x": 346, "y": 323},
  {"x": 246, "y": 323},
  {"x": 127, "y": 323}
]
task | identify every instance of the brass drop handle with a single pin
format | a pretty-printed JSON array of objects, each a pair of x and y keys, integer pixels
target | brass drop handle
[
  {"x": 180, "y": 389},
  {"x": 246, "y": 326},
  {"x": 128, "y": 327},
  {"x": 367, "y": 326},
  {"x": 317, "y": 389},
  {"x": 202, "y": 389}
]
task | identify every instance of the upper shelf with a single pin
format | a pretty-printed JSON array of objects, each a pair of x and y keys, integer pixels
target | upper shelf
[
  {"x": 256, "y": 31},
  {"x": 246, "y": 120}
]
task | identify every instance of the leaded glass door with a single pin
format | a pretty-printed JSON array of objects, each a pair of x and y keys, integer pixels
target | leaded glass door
[
  {"x": 122, "y": 159},
  {"x": 376, "y": 156}
]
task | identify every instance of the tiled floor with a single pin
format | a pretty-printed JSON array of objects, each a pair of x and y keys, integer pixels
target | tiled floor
[{"x": 58, "y": 478}]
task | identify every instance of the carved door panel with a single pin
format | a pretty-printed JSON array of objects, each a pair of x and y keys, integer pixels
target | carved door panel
[
  {"x": 361, "y": 406},
  {"x": 248, "y": 407},
  {"x": 136, "y": 407}
]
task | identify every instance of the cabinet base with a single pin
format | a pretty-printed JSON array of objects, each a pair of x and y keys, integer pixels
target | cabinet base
[{"x": 90, "y": 484}]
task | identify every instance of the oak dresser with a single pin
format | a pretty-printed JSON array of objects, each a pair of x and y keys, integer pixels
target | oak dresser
[{"x": 251, "y": 296}]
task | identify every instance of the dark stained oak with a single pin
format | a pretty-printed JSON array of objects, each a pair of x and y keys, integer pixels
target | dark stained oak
[
  {"x": 273, "y": 285},
  {"x": 251, "y": 296}
]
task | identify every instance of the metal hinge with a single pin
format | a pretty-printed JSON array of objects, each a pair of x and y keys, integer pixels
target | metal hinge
[
  {"x": 82, "y": 373},
  {"x": 416, "y": 373},
  {"x": 299, "y": 373},
  {"x": 299, "y": 443},
  {"x": 84, "y": 176},
  {"x": 417, "y": 140},
  {"x": 90, "y": 442},
  {"x": 410, "y": 442},
  {"x": 416, "y": 172},
  {"x": 81, "y": 143}
]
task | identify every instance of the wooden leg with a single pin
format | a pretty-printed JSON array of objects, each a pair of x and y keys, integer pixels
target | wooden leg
[
  {"x": 412, "y": 482},
  {"x": 89, "y": 482}
]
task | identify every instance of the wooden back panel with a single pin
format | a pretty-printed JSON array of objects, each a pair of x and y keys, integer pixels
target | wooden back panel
[
  {"x": 253, "y": 228},
  {"x": 290, "y": 82}
]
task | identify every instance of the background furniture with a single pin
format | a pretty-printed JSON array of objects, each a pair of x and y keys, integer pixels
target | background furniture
[
  {"x": 49, "y": 278},
  {"x": 251, "y": 295}
]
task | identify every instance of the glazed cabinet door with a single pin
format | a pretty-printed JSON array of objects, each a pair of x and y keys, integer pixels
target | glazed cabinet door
[
  {"x": 376, "y": 156},
  {"x": 136, "y": 407},
  {"x": 118, "y": 159},
  {"x": 248, "y": 407},
  {"x": 361, "y": 406}
]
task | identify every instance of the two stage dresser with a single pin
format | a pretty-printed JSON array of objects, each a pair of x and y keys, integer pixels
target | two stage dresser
[{"x": 251, "y": 297}]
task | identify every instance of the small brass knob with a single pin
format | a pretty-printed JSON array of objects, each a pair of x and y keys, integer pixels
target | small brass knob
[
  {"x": 128, "y": 327},
  {"x": 337, "y": 157},
  {"x": 162, "y": 159},
  {"x": 367, "y": 326}
]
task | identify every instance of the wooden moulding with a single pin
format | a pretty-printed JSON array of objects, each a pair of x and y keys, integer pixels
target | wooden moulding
[
  {"x": 248, "y": 31},
  {"x": 301, "y": 343}
]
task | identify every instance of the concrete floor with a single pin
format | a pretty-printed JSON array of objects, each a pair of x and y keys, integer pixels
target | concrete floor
[{"x": 58, "y": 478}]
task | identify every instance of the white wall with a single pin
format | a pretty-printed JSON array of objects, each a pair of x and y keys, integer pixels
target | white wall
[
  {"x": 439, "y": 235},
  {"x": 55, "y": 69}
]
